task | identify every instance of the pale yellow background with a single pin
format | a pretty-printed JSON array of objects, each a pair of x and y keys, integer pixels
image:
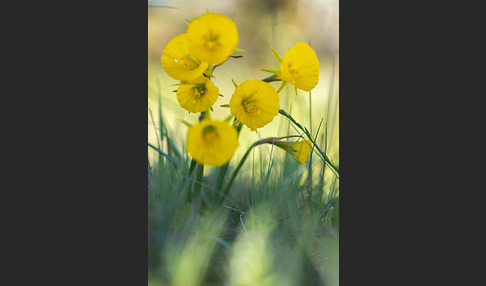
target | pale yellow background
[{"x": 261, "y": 25}]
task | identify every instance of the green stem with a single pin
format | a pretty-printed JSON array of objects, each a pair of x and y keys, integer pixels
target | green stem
[
  {"x": 310, "y": 155},
  {"x": 222, "y": 172},
  {"x": 199, "y": 177},
  {"x": 163, "y": 154},
  {"x": 309, "y": 136},
  {"x": 191, "y": 168},
  {"x": 235, "y": 172},
  {"x": 269, "y": 140},
  {"x": 273, "y": 77},
  {"x": 188, "y": 181}
]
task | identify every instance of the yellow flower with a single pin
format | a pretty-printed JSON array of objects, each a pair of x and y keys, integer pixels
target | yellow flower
[
  {"x": 300, "y": 149},
  {"x": 212, "y": 37},
  {"x": 303, "y": 149},
  {"x": 179, "y": 63},
  {"x": 197, "y": 97},
  {"x": 212, "y": 142},
  {"x": 300, "y": 67},
  {"x": 254, "y": 103}
]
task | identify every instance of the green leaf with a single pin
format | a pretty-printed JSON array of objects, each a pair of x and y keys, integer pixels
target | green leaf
[
  {"x": 228, "y": 118},
  {"x": 208, "y": 73},
  {"x": 271, "y": 71},
  {"x": 277, "y": 55},
  {"x": 164, "y": 154},
  {"x": 234, "y": 83},
  {"x": 284, "y": 83},
  {"x": 236, "y": 123}
]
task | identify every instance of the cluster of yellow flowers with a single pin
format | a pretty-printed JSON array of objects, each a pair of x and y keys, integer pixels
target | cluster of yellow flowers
[{"x": 191, "y": 57}]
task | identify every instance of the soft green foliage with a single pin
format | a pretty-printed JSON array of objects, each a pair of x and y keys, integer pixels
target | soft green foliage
[{"x": 276, "y": 226}]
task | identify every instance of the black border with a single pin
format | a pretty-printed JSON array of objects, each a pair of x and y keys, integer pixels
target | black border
[
  {"x": 78, "y": 181},
  {"x": 409, "y": 142},
  {"x": 407, "y": 103}
]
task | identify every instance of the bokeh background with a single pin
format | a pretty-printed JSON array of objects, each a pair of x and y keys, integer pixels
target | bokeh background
[
  {"x": 279, "y": 24},
  {"x": 262, "y": 24}
]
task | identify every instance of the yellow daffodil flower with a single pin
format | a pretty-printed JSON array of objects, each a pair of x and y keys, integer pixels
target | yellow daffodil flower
[
  {"x": 197, "y": 97},
  {"x": 212, "y": 37},
  {"x": 212, "y": 142},
  {"x": 254, "y": 103},
  {"x": 303, "y": 149},
  {"x": 300, "y": 67},
  {"x": 180, "y": 64},
  {"x": 300, "y": 149}
]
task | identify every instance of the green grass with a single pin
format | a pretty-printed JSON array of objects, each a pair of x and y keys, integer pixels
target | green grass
[{"x": 278, "y": 224}]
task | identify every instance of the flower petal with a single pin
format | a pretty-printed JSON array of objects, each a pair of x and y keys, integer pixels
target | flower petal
[
  {"x": 197, "y": 97},
  {"x": 214, "y": 150},
  {"x": 254, "y": 103},
  {"x": 300, "y": 67},
  {"x": 179, "y": 63},
  {"x": 212, "y": 37}
]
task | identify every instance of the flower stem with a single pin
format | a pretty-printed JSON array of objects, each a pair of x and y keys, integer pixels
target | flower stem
[
  {"x": 235, "y": 172},
  {"x": 273, "y": 77},
  {"x": 310, "y": 155},
  {"x": 269, "y": 140},
  {"x": 222, "y": 172},
  {"x": 309, "y": 136},
  {"x": 199, "y": 177},
  {"x": 164, "y": 154}
]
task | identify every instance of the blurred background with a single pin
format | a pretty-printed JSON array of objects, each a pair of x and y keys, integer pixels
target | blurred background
[{"x": 279, "y": 24}]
